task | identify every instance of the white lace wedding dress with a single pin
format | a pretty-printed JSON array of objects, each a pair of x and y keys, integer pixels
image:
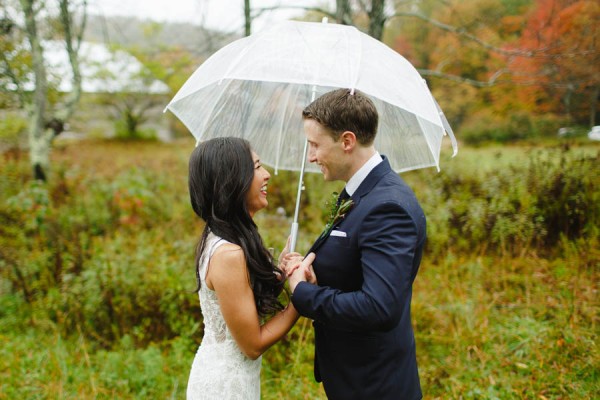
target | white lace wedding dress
[{"x": 220, "y": 369}]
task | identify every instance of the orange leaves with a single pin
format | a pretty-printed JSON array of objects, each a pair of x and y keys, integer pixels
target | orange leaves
[{"x": 563, "y": 37}]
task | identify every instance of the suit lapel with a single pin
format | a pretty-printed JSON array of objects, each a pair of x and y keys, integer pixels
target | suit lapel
[
  {"x": 319, "y": 241},
  {"x": 371, "y": 180}
]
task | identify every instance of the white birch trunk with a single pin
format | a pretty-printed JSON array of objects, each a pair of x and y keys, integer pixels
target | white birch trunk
[
  {"x": 41, "y": 134},
  {"x": 38, "y": 145}
]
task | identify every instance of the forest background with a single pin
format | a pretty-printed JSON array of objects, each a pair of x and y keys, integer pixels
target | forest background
[{"x": 97, "y": 236}]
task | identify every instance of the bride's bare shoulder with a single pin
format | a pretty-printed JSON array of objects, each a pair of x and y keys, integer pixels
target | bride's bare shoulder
[
  {"x": 228, "y": 252},
  {"x": 227, "y": 262}
]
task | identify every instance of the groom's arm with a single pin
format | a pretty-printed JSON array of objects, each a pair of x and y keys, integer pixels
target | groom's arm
[{"x": 388, "y": 240}]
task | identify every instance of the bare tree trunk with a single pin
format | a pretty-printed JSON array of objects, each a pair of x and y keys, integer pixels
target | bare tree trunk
[
  {"x": 247, "y": 18},
  {"x": 43, "y": 128},
  {"x": 567, "y": 101},
  {"x": 377, "y": 18},
  {"x": 343, "y": 12},
  {"x": 39, "y": 141},
  {"x": 594, "y": 105},
  {"x": 73, "y": 39}
]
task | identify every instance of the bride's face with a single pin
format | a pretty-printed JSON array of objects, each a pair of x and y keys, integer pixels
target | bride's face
[{"x": 256, "y": 198}]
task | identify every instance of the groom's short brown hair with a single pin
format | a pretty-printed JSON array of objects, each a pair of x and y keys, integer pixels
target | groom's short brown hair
[{"x": 341, "y": 110}]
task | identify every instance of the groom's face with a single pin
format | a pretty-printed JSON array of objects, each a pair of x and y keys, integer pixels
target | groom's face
[{"x": 325, "y": 151}]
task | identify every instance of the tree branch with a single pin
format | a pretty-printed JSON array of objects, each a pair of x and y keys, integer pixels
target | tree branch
[
  {"x": 462, "y": 32},
  {"x": 494, "y": 80},
  {"x": 8, "y": 71},
  {"x": 66, "y": 18},
  {"x": 541, "y": 52},
  {"x": 459, "y": 79},
  {"x": 39, "y": 69}
]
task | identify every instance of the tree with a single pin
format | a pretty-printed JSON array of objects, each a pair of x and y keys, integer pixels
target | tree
[
  {"x": 376, "y": 17},
  {"x": 347, "y": 12},
  {"x": 479, "y": 43},
  {"x": 128, "y": 88},
  {"x": 169, "y": 64},
  {"x": 247, "y": 18},
  {"x": 40, "y": 21},
  {"x": 565, "y": 78},
  {"x": 461, "y": 48}
]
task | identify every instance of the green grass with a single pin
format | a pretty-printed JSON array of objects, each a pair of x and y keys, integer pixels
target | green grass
[
  {"x": 105, "y": 254},
  {"x": 39, "y": 363},
  {"x": 508, "y": 328}
]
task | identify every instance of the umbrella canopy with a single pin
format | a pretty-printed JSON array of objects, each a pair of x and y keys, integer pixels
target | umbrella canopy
[{"x": 256, "y": 88}]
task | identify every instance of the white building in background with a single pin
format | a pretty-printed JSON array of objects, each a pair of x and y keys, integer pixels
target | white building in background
[{"x": 102, "y": 70}]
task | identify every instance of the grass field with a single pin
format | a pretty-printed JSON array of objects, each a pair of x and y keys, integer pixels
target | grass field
[{"x": 96, "y": 276}]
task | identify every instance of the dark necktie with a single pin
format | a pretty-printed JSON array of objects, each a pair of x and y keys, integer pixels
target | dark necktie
[{"x": 343, "y": 196}]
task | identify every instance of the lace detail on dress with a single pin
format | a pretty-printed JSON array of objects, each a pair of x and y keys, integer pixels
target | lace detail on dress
[
  {"x": 215, "y": 330},
  {"x": 220, "y": 369}
]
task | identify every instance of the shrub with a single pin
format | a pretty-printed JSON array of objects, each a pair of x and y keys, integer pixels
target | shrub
[
  {"x": 124, "y": 131},
  {"x": 55, "y": 236},
  {"x": 12, "y": 128},
  {"x": 131, "y": 286},
  {"x": 96, "y": 275},
  {"x": 530, "y": 205},
  {"x": 486, "y": 127}
]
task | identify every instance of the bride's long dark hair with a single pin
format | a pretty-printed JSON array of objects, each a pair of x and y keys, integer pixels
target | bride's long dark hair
[{"x": 220, "y": 174}]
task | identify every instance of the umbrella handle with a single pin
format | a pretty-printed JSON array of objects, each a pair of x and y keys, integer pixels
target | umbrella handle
[
  {"x": 294, "y": 232},
  {"x": 294, "y": 235}
]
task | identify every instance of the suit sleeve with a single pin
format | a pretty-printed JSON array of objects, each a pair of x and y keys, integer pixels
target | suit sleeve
[{"x": 388, "y": 240}]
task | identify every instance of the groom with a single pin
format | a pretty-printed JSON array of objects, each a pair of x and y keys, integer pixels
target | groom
[{"x": 366, "y": 264}]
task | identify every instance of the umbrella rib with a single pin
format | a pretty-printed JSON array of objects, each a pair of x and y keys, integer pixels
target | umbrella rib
[
  {"x": 454, "y": 143},
  {"x": 279, "y": 141},
  {"x": 356, "y": 34},
  {"x": 447, "y": 128},
  {"x": 431, "y": 150}
]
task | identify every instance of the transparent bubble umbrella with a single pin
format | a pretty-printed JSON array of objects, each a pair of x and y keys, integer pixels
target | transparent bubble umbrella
[{"x": 256, "y": 88}]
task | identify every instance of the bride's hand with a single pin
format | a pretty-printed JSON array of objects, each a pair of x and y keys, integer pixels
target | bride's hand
[
  {"x": 285, "y": 251},
  {"x": 290, "y": 263},
  {"x": 287, "y": 261}
]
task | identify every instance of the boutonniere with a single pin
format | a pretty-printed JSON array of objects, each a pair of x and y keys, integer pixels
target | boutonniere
[{"x": 337, "y": 212}]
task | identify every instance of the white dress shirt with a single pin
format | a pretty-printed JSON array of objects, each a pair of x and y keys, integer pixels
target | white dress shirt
[{"x": 362, "y": 173}]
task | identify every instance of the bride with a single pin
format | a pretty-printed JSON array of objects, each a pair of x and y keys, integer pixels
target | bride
[{"x": 238, "y": 283}]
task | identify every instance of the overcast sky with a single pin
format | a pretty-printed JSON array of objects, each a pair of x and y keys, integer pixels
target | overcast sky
[{"x": 225, "y": 15}]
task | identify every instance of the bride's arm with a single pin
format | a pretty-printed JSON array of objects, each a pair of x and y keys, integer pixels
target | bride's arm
[{"x": 228, "y": 277}]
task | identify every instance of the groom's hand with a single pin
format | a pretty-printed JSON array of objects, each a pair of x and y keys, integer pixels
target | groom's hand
[
  {"x": 290, "y": 262},
  {"x": 302, "y": 272}
]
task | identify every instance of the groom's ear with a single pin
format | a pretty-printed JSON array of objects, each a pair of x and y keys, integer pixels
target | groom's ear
[{"x": 348, "y": 139}]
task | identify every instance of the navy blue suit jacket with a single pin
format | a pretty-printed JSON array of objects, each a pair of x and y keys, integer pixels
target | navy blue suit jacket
[{"x": 364, "y": 342}]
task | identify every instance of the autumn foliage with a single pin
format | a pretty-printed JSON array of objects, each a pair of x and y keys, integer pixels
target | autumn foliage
[
  {"x": 508, "y": 69},
  {"x": 563, "y": 73}
]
